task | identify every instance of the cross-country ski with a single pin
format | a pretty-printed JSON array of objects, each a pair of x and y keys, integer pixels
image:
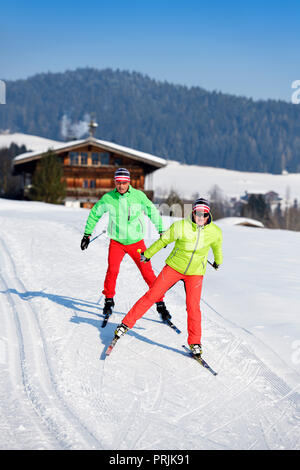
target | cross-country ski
[{"x": 200, "y": 360}]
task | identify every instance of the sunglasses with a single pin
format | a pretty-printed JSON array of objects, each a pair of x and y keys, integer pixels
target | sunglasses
[{"x": 201, "y": 214}]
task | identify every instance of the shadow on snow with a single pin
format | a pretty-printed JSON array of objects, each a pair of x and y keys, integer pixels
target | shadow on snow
[{"x": 78, "y": 305}]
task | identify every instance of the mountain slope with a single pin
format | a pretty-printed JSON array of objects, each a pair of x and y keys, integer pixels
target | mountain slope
[
  {"x": 184, "y": 124},
  {"x": 31, "y": 142}
]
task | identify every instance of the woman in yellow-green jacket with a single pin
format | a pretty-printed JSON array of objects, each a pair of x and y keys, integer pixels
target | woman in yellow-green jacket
[{"x": 193, "y": 237}]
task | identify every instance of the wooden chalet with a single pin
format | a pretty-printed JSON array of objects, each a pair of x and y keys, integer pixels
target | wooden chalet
[{"x": 89, "y": 166}]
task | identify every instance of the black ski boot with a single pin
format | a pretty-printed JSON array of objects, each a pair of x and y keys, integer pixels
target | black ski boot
[
  {"x": 196, "y": 350},
  {"x": 107, "y": 310},
  {"x": 162, "y": 310},
  {"x": 121, "y": 330},
  {"x": 108, "y": 306}
]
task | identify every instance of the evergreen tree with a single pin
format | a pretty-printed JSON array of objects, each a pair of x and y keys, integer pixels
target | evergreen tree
[
  {"x": 10, "y": 185},
  {"x": 47, "y": 183},
  {"x": 257, "y": 208},
  {"x": 175, "y": 204}
]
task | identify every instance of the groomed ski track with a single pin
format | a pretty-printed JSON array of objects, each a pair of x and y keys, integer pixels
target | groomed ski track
[{"x": 58, "y": 392}]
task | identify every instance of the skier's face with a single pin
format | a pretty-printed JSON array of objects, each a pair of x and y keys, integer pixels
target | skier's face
[
  {"x": 122, "y": 187},
  {"x": 201, "y": 218}
]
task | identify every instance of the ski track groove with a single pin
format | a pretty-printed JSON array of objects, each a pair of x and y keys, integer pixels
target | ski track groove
[
  {"x": 60, "y": 420},
  {"x": 266, "y": 431},
  {"x": 18, "y": 393},
  {"x": 216, "y": 399},
  {"x": 139, "y": 412}
]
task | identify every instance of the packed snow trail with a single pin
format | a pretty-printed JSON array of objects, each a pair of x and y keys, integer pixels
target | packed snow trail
[
  {"x": 58, "y": 392},
  {"x": 36, "y": 375}
]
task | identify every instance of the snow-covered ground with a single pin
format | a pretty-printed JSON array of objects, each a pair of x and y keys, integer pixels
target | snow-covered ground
[
  {"x": 188, "y": 180},
  {"x": 58, "y": 392}
]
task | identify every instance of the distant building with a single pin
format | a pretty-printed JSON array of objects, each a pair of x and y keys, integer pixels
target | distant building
[
  {"x": 270, "y": 197},
  {"x": 89, "y": 166}
]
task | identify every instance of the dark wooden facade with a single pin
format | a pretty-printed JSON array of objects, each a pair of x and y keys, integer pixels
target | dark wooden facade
[{"x": 89, "y": 168}]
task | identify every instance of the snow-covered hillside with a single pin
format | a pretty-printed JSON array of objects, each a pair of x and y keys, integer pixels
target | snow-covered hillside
[
  {"x": 188, "y": 180},
  {"x": 31, "y": 142},
  {"x": 58, "y": 392}
]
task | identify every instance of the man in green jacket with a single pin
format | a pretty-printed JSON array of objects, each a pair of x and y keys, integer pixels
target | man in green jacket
[
  {"x": 126, "y": 228},
  {"x": 193, "y": 237}
]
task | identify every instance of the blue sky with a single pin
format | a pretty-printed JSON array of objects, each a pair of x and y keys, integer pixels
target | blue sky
[{"x": 248, "y": 48}]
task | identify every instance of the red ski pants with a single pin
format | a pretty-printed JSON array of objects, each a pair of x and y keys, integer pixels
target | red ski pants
[
  {"x": 116, "y": 253},
  {"x": 166, "y": 279}
]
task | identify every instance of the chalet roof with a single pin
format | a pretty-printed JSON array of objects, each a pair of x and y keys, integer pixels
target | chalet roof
[{"x": 108, "y": 146}]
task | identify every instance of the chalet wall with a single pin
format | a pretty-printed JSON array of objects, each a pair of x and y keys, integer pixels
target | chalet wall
[{"x": 89, "y": 172}]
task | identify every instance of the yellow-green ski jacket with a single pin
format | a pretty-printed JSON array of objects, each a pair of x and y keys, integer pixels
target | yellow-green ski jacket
[{"x": 192, "y": 244}]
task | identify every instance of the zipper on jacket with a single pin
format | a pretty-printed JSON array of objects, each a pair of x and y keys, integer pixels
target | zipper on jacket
[
  {"x": 128, "y": 213},
  {"x": 200, "y": 228}
]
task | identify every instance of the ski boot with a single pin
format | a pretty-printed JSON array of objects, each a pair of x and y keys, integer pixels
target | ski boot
[
  {"x": 196, "y": 350},
  {"x": 108, "y": 306},
  {"x": 121, "y": 330},
  {"x": 162, "y": 310}
]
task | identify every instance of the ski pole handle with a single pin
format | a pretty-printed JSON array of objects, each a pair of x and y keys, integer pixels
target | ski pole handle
[{"x": 143, "y": 258}]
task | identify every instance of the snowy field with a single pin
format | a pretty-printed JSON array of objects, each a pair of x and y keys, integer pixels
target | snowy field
[
  {"x": 58, "y": 392},
  {"x": 188, "y": 180}
]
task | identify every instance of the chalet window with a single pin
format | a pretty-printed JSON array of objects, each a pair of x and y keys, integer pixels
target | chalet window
[
  {"x": 92, "y": 183},
  {"x": 104, "y": 158},
  {"x": 95, "y": 159},
  {"x": 27, "y": 179},
  {"x": 74, "y": 158},
  {"x": 85, "y": 183},
  {"x": 118, "y": 162},
  {"x": 84, "y": 159}
]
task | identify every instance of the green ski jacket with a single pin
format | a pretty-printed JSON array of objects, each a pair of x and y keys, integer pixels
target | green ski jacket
[
  {"x": 192, "y": 244},
  {"x": 126, "y": 222}
]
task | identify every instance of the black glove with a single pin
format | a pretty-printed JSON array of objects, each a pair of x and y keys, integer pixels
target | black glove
[
  {"x": 144, "y": 259},
  {"x": 215, "y": 265},
  {"x": 85, "y": 242}
]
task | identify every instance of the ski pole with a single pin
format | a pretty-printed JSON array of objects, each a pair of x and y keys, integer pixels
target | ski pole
[
  {"x": 154, "y": 269},
  {"x": 103, "y": 231},
  {"x": 211, "y": 264}
]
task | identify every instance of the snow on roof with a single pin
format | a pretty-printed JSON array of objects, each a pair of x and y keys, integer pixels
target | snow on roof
[
  {"x": 110, "y": 146},
  {"x": 31, "y": 142}
]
